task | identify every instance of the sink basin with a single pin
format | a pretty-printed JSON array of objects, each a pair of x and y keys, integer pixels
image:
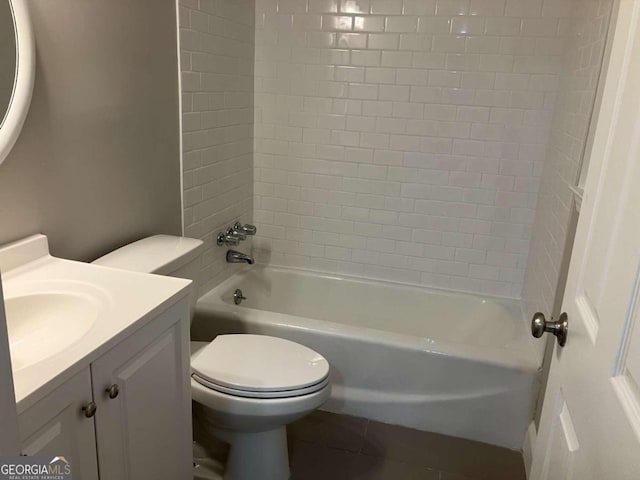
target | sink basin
[
  {"x": 61, "y": 315},
  {"x": 43, "y": 324}
]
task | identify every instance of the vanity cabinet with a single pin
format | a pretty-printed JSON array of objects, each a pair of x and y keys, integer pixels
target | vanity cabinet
[{"x": 141, "y": 427}]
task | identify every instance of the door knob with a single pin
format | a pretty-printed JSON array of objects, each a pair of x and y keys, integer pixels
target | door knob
[
  {"x": 90, "y": 409},
  {"x": 113, "y": 391},
  {"x": 559, "y": 328}
]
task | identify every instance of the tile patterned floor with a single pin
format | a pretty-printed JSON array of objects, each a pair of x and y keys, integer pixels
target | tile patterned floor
[{"x": 326, "y": 446}]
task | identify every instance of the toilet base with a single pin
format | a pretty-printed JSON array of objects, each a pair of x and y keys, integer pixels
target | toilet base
[
  {"x": 261, "y": 455},
  {"x": 254, "y": 428}
]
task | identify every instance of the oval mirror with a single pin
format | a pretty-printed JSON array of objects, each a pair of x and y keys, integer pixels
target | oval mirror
[{"x": 17, "y": 71}]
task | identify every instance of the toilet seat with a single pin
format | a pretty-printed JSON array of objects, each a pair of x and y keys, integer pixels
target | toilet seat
[
  {"x": 249, "y": 394},
  {"x": 259, "y": 366}
]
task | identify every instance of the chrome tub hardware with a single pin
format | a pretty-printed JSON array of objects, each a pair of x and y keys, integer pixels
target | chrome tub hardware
[
  {"x": 559, "y": 328},
  {"x": 228, "y": 240},
  {"x": 247, "y": 229},
  {"x": 238, "y": 297},
  {"x": 234, "y": 256},
  {"x": 237, "y": 233}
]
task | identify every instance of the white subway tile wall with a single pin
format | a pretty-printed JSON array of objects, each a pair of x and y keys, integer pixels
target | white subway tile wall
[
  {"x": 404, "y": 139},
  {"x": 217, "y": 68},
  {"x": 587, "y": 30}
]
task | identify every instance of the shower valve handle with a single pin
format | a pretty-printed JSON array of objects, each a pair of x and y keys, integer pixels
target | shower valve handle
[
  {"x": 228, "y": 240},
  {"x": 237, "y": 233},
  {"x": 247, "y": 229}
]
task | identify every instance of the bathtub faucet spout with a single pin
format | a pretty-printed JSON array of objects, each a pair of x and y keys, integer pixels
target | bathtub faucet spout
[{"x": 238, "y": 257}]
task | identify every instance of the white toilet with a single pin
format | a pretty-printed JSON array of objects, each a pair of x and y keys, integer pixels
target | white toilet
[{"x": 247, "y": 387}]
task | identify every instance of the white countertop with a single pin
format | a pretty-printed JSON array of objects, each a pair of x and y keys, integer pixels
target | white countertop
[{"x": 128, "y": 300}]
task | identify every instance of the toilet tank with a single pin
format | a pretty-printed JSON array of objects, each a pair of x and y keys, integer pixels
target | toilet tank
[{"x": 163, "y": 255}]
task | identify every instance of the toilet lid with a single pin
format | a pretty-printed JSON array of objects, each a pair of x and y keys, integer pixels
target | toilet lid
[{"x": 259, "y": 363}]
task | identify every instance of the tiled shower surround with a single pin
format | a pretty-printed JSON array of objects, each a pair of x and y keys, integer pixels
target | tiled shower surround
[
  {"x": 216, "y": 58},
  {"x": 589, "y": 23},
  {"x": 404, "y": 139}
]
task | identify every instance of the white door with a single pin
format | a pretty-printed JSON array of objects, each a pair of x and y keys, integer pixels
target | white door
[
  {"x": 142, "y": 389},
  {"x": 10, "y": 438},
  {"x": 590, "y": 424},
  {"x": 58, "y": 426}
]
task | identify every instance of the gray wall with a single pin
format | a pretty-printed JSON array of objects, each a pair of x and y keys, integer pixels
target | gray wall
[
  {"x": 97, "y": 163},
  {"x": 7, "y": 56}
]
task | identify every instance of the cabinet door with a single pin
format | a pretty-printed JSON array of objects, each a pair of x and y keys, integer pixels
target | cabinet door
[
  {"x": 57, "y": 426},
  {"x": 145, "y": 431}
]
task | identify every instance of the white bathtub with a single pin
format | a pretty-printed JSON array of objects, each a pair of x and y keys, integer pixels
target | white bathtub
[{"x": 455, "y": 364}]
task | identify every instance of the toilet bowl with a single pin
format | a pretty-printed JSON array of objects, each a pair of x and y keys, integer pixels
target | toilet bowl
[
  {"x": 246, "y": 388},
  {"x": 249, "y": 404}
]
